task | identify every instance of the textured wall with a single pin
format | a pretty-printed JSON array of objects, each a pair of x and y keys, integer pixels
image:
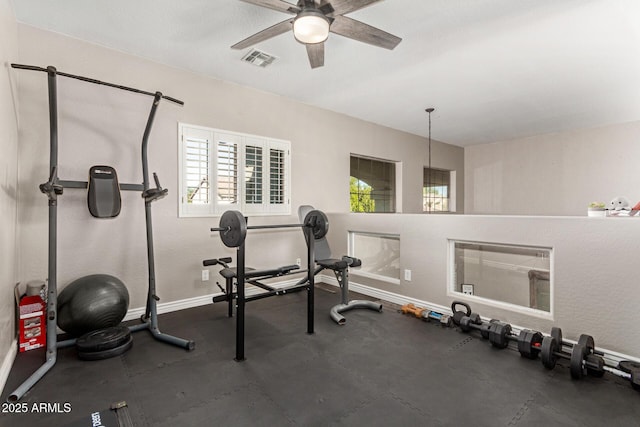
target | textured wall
[
  {"x": 595, "y": 266},
  {"x": 100, "y": 125},
  {"x": 555, "y": 174},
  {"x": 8, "y": 174}
]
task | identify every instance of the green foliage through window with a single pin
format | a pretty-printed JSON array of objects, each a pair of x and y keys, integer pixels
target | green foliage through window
[{"x": 361, "y": 200}]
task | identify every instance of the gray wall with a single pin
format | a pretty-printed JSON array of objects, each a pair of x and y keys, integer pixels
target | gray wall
[
  {"x": 99, "y": 125},
  {"x": 594, "y": 270},
  {"x": 8, "y": 175},
  {"x": 554, "y": 174}
]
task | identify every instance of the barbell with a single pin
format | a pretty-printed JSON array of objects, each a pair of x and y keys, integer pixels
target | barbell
[{"x": 233, "y": 226}]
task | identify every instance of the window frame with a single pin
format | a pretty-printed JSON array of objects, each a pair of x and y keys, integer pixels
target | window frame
[
  {"x": 215, "y": 138},
  {"x": 452, "y": 279},
  {"x": 450, "y": 188},
  {"x": 396, "y": 184}
]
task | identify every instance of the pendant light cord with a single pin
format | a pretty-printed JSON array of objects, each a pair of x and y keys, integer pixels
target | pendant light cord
[{"x": 429, "y": 110}]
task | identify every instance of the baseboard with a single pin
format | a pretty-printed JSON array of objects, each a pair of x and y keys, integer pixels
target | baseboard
[{"x": 7, "y": 363}]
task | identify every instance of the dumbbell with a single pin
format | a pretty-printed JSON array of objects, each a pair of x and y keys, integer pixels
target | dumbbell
[
  {"x": 499, "y": 335},
  {"x": 586, "y": 340},
  {"x": 427, "y": 315},
  {"x": 474, "y": 321},
  {"x": 584, "y": 359},
  {"x": 443, "y": 319},
  {"x": 528, "y": 341},
  {"x": 581, "y": 357}
]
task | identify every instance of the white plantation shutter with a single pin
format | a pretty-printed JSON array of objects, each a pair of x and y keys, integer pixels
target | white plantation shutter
[{"x": 222, "y": 170}]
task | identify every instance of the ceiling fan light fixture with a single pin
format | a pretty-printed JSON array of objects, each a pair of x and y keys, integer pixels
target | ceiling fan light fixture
[{"x": 310, "y": 27}]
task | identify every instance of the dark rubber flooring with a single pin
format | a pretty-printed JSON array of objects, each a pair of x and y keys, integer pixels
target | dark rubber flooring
[{"x": 379, "y": 369}]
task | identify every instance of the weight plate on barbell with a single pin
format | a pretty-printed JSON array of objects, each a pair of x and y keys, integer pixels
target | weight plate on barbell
[
  {"x": 318, "y": 222},
  {"x": 595, "y": 365},
  {"x": 529, "y": 343},
  {"x": 498, "y": 334},
  {"x": 628, "y": 366},
  {"x": 588, "y": 342},
  {"x": 578, "y": 354},
  {"x": 557, "y": 334},
  {"x": 233, "y": 229},
  {"x": 548, "y": 349}
]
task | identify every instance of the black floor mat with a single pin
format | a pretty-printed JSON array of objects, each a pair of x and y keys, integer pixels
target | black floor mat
[{"x": 379, "y": 369}]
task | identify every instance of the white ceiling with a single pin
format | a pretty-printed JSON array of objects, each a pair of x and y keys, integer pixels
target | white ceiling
[{"x": 493, "y": 69}]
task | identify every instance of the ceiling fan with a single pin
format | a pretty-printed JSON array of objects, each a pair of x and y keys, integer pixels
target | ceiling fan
[{"x": 314, "y": 20}]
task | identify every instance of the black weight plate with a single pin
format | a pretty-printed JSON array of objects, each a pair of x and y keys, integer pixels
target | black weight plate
[
  {"x": 499, "y": 333},
  {"x": 319, "y": 223},
  {"x": 578, "y": 354},
  {"x": 628, "y": 366},
  {"x": 557, "y": 334},
  {"x": 465, "y": 323},
  {"x": 233, "y": 229},
  {"x": 106, "y": 354},
  {"x": 588, "y": 342},
  {"x": 594, "y": 365},
  {"x": 475, "y": 319},
  {"x": 529, "y": 343},
  {"x": 548, "y": 348},
  {"x": 536, "y": 342},
  {"x": 103, "y": 339}
]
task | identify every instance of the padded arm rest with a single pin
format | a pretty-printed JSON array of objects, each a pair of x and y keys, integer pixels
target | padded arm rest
[
  {"x": 215, "y": 261},
  {"x": 273, "y": 272},
  {"x": 228, "y": 273},
  {"x": 353, "y": 262},
  {"x": 333, "y": 264}
]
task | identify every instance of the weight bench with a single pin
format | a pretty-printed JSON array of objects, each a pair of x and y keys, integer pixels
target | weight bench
[
  {"x": 253, "y": 277},
  {"x": 340, "y": 268}
]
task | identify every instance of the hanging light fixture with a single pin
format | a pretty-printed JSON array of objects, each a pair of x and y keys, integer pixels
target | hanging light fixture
[
  {"x": 429, "y": 111},
  {"x": 311, "y": 26}
]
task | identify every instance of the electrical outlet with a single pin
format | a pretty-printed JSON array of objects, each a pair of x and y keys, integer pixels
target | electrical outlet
[
  {"x": 298, "y": 262},
  {"x": 205, "y": 275},
  {"x": 407, "y": 275},
  {"x": 467, "y": 289}
]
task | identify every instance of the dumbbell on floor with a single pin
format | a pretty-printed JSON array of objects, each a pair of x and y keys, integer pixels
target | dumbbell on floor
[
  {"x": 500, "y": 334},
  {"x": 582, "y": 360},
  {"x": 427, "y": 315}
]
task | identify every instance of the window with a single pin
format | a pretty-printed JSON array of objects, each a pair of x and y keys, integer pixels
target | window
[
  {"x": 222, "y": 170},
  {"x": 436, "y": 190},
  {"x": 503, "y": 275},
  {"x": 380, "y": 255},
  {"x": 372, "y": 185}
]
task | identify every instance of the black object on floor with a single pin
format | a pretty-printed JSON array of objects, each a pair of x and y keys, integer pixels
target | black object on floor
[
  {"x": 116, "y": 416},
  {"x": 384, "y": 369}
]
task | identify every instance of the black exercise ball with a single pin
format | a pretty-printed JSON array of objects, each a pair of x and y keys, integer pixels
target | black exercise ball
[{"x": 92, "y": 302}]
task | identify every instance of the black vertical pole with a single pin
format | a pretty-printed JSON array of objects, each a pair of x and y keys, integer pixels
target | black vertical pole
[
  {"x": 52, "y": 297},
  {"x": 310, "y": 277},
  {"x": 240, "y": 304},
  {"x": 150, "y": 312},
  {"x": 52, "y": 291}
]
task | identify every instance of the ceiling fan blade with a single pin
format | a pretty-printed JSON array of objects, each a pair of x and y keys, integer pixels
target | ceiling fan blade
[
  {"x": 274, "y": 30},
  {"x": 316, "y": 54},
  {"x": 362, "y": 32},
  {"x": 279, "y": 5},
  {"x": 342, "y": 7}
]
